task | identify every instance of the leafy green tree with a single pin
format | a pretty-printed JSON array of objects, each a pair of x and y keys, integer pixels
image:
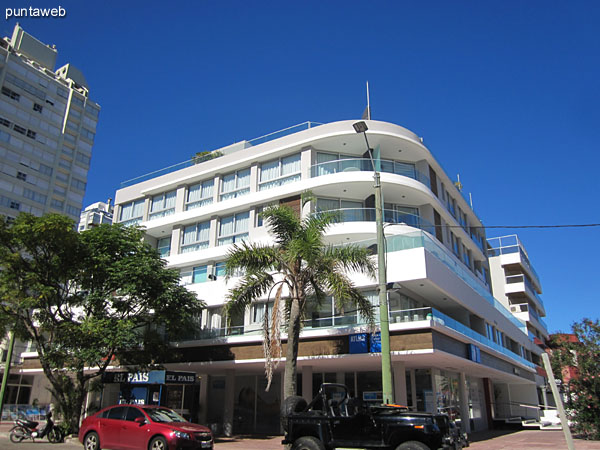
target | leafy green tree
[
  {"x": 583, "y": 388},
  {"x": 300, "y": 269},
  {"x": 88, "y": 300}
]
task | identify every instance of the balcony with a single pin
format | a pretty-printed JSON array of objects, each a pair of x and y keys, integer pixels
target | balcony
[
  {"x": 520, "y": 283},
  {"x": 365, "y": 165},
  {"x": 528, "y": 313},
  {"x": 431, "y": 315},
  {"x": 506, "y": 245},
  {"x": 390, "y": 216}
]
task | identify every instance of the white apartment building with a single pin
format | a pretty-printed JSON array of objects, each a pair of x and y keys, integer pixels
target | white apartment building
[
  {"x": 47, "y": 128},
  {"x": 96, "y": 214},
  {"x": 452, "y": 342}
]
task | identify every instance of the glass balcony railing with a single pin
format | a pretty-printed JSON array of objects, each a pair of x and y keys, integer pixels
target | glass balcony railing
[
  {"x": 389, "y": 216},
  {"x": 510, "y": 244},
  {"x": 512, "y": 279},
  {"x": 365, "y": 165},
  {"x": 420, "y": 239},
  {"x": 349, "y": 320},
  {"x": 213, "y": 154},
  {"x": 443, "y": 319}
]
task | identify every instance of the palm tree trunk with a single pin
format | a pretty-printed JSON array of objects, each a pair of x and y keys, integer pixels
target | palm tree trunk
[{"x": 291, "y": 358}]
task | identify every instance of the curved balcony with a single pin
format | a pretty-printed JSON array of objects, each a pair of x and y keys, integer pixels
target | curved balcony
[
  {"x": 390, "y": 216},
  {"x": 365, "y": 165}
]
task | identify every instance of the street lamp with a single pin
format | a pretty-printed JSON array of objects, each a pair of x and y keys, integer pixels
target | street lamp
[{"x": 386, "y": 360}]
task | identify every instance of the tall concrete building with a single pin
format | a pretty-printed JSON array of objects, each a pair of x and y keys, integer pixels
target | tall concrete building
[
  {"x": 452, "y": 343},
  {"x": 47, "y": 129}
]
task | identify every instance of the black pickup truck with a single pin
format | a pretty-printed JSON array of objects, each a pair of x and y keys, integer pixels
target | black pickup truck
[{"x": 332, "y": 420}]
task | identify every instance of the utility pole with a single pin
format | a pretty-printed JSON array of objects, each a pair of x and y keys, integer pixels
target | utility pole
[
  {"x": 558, "y": 401},
  {"x": 386, "y": 359}
]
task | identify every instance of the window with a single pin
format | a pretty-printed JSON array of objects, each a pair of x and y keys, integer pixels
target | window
[
  {"x": 57, "y": 204},
  {"x": 73, "y": 210},
  {"x": 259, "y": 310},
  {"x": 235, "y": 184},
  {"x": 132, "y": 213},
  {"x": 35, "y": 196},
  {"x": 163, "y": 205},
  {"x": 19, "y": 129},
  {"x": 26, "y": 86},
  {"x": 200, "y": 194},
  {"x": 279, "y": 172},
  {"x": 350, "y": 211},
  {"x": 234, "y": 228},
  {"x": 37, "y": 107},
  {"x": 195, "y": 237},
  {"x": 10, "y": 93},
  {"x": 78, "y": 184},
  {"x": 116, "y": 413},
  {"x": 220, "y": 269},
  {"x": 83, "y": 159},
  {"x": 62, "y": 93},
  {"x": 327, "y": 314},
  {"x": 199, "y": 274},
  {"x": 77, "y": 101},
  {"x": 4, "y": 122},
  {"x": 87, "y": 134},
  {"x": 22, "y": 176},
  {"x": 132, "y": 414},
  {"x": 31, "y": 134},
  {"x": 164, "y": 246},
  {"x": 89, "y": 109}
]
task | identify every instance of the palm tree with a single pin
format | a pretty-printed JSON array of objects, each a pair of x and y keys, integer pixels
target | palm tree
[{"x": 301, "y": 270}]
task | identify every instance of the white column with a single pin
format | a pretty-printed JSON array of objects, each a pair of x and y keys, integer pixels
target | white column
[
  {"x": 399, "y": 369},
  {"x": 180, "y": 199},
  {"x": 228, "y": 407},
  {"x": 307, "y": 383},
  {"x": 463, "y": 394}
]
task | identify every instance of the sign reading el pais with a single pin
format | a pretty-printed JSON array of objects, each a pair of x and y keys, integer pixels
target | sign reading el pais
[{"x": 150, "y": 377}]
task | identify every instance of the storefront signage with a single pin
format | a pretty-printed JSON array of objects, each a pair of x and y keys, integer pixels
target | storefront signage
[
  {"x": 375, "y": 343},
  {"x": 180, "y": 377},
  {"x": 151, "y": 377},
  {"x": 358, "y": 343},
  {"x": 474, "y": 353}
]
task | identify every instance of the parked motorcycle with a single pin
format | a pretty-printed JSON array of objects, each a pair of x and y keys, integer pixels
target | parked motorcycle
[{"x": 28, "y": 429}]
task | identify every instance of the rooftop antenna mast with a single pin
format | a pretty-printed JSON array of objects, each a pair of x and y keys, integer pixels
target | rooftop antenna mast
[{"x": 367, "y": 112}]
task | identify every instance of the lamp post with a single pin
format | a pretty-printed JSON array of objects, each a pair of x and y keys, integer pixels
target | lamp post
[{"x": 386, "y": 360}]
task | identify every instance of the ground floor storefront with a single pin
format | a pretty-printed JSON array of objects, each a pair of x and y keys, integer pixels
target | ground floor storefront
[{"x": 223, "y": 384}]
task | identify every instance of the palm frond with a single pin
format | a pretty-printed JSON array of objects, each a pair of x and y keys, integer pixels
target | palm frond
[
  {"x": 272, "y": 341},
  {"x": 352, "y": 258},
  {"x": 250, "y": 257},
  {"x": 251, "y": 287},
  {"x": 282, "y": 222}
]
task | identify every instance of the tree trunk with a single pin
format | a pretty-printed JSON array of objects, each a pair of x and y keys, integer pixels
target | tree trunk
[{"x": 291, "y": 358}]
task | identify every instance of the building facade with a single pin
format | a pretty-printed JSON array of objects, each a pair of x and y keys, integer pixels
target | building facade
[
  {"x": 47, "y": 129},
  {"x": 96, "y": 214},
  {"x": 452, "y": 343}
]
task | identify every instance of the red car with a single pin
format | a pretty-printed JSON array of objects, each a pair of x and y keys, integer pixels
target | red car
[{"x": 140, "y": 427}]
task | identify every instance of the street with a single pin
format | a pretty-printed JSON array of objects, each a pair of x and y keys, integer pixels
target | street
[{"x": 492, "y": 440}]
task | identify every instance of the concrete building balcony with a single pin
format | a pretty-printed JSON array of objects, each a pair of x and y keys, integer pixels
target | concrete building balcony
[
  {"x": 512, "y": 253},
  {"x": 520, "y": 284},
  {"x": 525, "y": 312}
]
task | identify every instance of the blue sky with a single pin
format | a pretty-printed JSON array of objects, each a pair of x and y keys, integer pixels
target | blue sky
[{"x": 505, "y": 93}]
